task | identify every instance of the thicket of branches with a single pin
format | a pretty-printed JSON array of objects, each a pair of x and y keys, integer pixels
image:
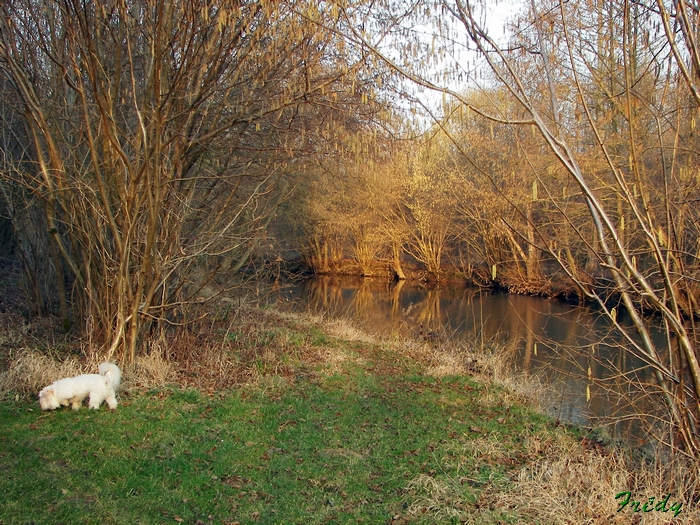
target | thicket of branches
[{"x": 146, "y": 144}]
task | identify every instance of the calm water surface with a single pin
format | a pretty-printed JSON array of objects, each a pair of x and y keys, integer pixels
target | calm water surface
[{"x": 560, "y": 343}]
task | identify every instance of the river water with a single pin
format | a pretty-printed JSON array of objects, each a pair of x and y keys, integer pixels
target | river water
[{"x": 570, "y": 348}]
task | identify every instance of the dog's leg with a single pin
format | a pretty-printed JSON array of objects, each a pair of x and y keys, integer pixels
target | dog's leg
[
  {"x": 95, "y": 401},
  {"x": 111, "y": 401},
  {"x": 75, "y": 402}
]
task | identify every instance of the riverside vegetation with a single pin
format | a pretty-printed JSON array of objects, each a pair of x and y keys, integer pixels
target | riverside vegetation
[{"x": 262, "y": 416}]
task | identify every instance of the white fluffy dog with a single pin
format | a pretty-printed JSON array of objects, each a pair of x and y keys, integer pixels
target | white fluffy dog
[{"x": 73, "y": 390}]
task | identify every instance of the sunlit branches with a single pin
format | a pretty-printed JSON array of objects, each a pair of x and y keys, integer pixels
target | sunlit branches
[{"x": 164, "y": 134}]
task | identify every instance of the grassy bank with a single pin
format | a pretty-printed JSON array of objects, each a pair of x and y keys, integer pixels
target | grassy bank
[{"x": 318, "y": 424}]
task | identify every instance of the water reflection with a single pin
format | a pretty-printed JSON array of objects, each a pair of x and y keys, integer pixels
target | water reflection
[{"x": 569, "y": 347}]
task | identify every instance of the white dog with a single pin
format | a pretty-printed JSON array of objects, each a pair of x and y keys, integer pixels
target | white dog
[{"x": 73, "y": 390}]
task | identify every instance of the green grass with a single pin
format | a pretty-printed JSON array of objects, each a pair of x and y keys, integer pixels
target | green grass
[{"x": 357, "y": 446}]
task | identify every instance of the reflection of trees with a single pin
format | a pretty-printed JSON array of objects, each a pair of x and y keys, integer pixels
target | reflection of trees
[
  {"x": 364, "y": 301},
  {"x": 396, "y": 310},
  {"x": 530, "y": 341},
  {"x": 323, "y": 294},
  {"x": 429, "y": 311}
]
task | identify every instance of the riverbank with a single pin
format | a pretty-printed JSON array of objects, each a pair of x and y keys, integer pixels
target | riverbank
[
  {"x": 282, "y": 418},
  {"x": 504, "y": 278}
]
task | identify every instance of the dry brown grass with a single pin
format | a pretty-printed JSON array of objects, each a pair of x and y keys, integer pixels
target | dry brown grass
[
  {"x": 335, "y": 360},
  {"x": 563, "y": 481},
  {"x": 492, "y": 367},
  {"x": 153, "y": 369},
  {"x": 454, "y": 359},
  {"x": 441, "y": 499},
  {"x": 569, "y": 482},
  {"x": 29, "y": 371},
  {"x": 343, "y": 329}
]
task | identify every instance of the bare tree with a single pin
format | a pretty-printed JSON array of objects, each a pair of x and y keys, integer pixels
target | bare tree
[{"x": 157, "y": 137}]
